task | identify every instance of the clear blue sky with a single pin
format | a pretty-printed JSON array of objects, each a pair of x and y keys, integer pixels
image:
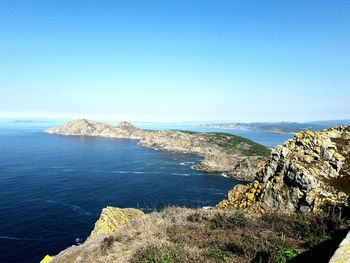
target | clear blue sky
[{"x": 175, "y": 60}]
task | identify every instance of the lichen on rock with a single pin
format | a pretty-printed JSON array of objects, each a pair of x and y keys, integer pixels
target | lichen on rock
[
  {"x": 300, "y": 175},
  {"x": 46, "y": 259},
  {"x": 112, "y": 218}
]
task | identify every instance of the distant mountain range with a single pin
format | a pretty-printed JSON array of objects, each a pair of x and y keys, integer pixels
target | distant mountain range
[{"x": 278, "y": 127}]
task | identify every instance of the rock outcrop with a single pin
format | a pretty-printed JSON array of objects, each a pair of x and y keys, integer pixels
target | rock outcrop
[
  {"x": 110, "y": 221},
  {"x": 221, "y": 152},
  {"x": 309, "y": 173},
  {"x": 113, "y": 218}
]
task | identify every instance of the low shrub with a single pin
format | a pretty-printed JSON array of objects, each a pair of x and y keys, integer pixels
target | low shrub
[
  {"x": 283, "y": 252},
  {"x": 316, "y": 240},
  {"x": 218, "y": 255},
  {"x": 106, "y": 244}
]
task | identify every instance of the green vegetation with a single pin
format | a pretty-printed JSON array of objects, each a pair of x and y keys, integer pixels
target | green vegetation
[
  {"x": 189, "y": 132},
  {"x": 317, "y": 239},
  {"x": 283, "y": 252},
  {"x": 218, "y": 254},
  {"x": 232, "y": 143},
  {"x": 165, "y": 254},
  {"x": 232, "y": 236}
]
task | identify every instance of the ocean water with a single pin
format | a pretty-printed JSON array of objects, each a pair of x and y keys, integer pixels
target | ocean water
[{"x": 52, "y": 188}]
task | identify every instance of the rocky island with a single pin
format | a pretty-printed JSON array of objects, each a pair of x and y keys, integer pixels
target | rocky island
[
  {"x": 233, "y": 155},
  {"x": 299, "y": 201}
]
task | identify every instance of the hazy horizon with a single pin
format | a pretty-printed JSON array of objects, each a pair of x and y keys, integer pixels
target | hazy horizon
[
  {"x": 157, "y": 61},
  {"x": 116, "y": 120}
]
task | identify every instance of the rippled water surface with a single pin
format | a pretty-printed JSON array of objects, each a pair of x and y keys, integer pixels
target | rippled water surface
[{"x": 52, "y": 188}]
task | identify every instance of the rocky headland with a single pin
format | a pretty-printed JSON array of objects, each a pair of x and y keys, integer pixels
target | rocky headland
[
  {"x": 233, "y": 155},
  {"x": 309, "y": 173}
]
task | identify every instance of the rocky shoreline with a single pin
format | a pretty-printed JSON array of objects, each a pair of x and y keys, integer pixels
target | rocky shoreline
[{"x": 233, "y": 155}]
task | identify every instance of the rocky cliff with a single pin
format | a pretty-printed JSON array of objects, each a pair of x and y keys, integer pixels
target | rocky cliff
[
  {"x": 112, "y": 218},
  {"x": 309, "y": 173},
  {"x": 110, "y": 221},
  {"x": 221, "y": 152}
]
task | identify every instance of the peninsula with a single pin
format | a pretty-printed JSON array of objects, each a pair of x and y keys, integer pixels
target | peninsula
[{"x": 235, "y": 156}]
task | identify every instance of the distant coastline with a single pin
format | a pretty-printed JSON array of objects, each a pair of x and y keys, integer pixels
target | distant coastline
[
  {"x": 233, "y": 155},
  {"x": 277, "y": 127}
]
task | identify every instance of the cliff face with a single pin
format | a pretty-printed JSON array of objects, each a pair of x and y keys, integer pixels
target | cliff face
[
  {"x": 110, "y": 221},
  {"x": 234, "y": 155},
  {"x": 112, "y": 218},
  {"x": 309, "y": 173}
]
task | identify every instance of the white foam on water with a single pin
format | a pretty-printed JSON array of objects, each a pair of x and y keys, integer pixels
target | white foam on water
[
  {"x": 225, "y": 175},
  {"x": 183, "y": 174},
  {"x": 19, "y": 238},
  {"x": 75, "y": 208},
  {"x": 192, "y": 167},
  {"x": 79, "y": 210},
  {"x": 186, "y": 163},
  {"x": 57, "y": 167}
]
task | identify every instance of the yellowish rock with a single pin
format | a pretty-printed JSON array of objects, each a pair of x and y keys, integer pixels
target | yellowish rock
[
  {"x": 250, "y": 196},
  {"x": 308, "y": 158},
  {"x": 113, "y": 218},
  {"x": 46, "y": 259},
  {"x": 292, "y": 146},
  {"x": 338, "y": 156},
  {"x": 309, "y": 133},
  {"x": 299, "y": 135},
  {"x": 342, "y": 254},
  {"x": 256, "y": 184},
  {"x": 315, "y": 169}
]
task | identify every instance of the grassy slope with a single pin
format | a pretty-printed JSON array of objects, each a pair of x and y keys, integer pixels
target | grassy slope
[
  {"x": 233, "y": 143},
  {"x": 179, "y": 235}
]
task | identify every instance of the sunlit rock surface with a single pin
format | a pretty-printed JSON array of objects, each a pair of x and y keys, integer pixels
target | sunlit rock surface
[
  {"x": 113, "y": 218},
  {"x": 342, "y": 254},
  {"x": 308, "y": 173}
]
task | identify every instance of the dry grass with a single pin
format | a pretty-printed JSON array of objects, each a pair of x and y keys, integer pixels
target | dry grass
[{"x": 189, "y": 235}]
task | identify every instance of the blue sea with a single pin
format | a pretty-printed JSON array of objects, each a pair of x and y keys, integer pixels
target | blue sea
[{"x": 52, "y": 188}]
